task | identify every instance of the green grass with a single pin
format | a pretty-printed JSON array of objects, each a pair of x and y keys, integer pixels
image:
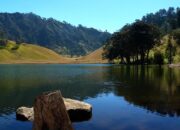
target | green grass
[{"x": 27, "y": 53}]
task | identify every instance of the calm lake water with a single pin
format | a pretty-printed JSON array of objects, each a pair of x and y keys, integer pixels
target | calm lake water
[{"x": 123, "y": 97}]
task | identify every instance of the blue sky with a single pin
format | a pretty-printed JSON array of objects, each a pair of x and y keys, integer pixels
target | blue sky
[{"x": 108, "y": 15}]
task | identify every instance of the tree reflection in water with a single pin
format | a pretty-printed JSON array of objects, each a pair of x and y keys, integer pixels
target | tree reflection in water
[{"x": 153, "y": 88}]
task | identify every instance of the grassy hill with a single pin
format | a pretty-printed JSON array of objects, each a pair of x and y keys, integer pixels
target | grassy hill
[
  {"x": 27, "y": 53},
  {"x": 13, "y": 53},
  {"x": 94, "y": 57}
]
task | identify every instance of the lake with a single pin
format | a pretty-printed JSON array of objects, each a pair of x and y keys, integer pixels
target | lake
[{"x": 123, "y": 97}]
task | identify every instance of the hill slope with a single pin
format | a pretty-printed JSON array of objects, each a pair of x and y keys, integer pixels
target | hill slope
[
  {"x": 61, "y": 37},
  {"x": 27, "y": 53},
  {"x": 94, "y": 57}
]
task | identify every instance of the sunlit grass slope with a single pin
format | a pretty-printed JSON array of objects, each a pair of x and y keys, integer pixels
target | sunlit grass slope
[
  {"x": 27, "y": 53},
  {"x": 94, "y": 57}
]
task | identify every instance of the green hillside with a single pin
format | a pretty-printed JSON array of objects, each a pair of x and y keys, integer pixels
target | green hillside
[
  {"x": 27, "y": 53},
  {"x": 61, "y": 37}
]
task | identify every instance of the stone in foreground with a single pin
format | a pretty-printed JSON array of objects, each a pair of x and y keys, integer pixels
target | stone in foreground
[
  {"x": 25, "y": 113},
  {"x": 50, "y": 112},
  {"x": 77, "y": 110}
]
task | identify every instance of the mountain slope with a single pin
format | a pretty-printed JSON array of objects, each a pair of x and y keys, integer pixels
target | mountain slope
[
  {"x": 27, "y": 53},
  {"x": 61, "y": 37},
  {"x": 94, "y": 57}
]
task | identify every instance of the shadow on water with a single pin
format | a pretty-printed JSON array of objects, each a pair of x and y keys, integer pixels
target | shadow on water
[
  {"x": 20, "y": 84},
  {"x": 153, "y": 88}
]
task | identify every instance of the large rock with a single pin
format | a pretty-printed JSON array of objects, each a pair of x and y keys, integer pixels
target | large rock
[
  {"x": 77, "y": 110},
  {"x": 50, "y": 112},
  {"x": 25, "y": 113}
]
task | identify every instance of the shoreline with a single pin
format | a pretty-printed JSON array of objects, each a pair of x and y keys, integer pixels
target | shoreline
[
  {"x": 174, "y": 65},
  {"x": 72, "y": 62},
  {"x": 47, "y": 62}
]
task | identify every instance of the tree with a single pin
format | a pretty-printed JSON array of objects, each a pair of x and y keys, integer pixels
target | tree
[
  {"x": 158, "y": 58},
  {"x": 178, "y": 17},
  {"x": 132, "y": 41},
  {"x": 176, "y": 35},
  {"x": 114, "y": 48},
  {"x": 118, "y": 46},
  {"x": 3, "y": 39},
  {"x": 169, "y": 50},
  {"x": 166, "y": 20},
  {"x": 144, "y": 36}
]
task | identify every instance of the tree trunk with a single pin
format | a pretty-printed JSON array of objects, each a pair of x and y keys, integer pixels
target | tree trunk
[
  {"x": 128, "y": 59},
  {"x": 142, "y": 58},
  {"x": 50, "y": 112},
  {"x": 147, "y": 57},
  {"x": 137, "y": 58}
]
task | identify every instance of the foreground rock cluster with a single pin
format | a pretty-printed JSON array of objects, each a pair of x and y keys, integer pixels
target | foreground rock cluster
[{"x": 77, "y": 111}]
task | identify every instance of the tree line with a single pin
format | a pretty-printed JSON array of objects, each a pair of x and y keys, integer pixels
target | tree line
[
  {"x": 166, "y": 20},
  {"x": 133, "y": 42}
]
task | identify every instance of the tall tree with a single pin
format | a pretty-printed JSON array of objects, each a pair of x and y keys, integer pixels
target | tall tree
[
  {"x": 132, "y": 41},
  {"x": 178, "y": 17},
  {"x": 176, "y": 35},
  {"x": 144, "y": 36},
  {"x": 3, "y": 39},
  {"x": 170, "y": 49}
]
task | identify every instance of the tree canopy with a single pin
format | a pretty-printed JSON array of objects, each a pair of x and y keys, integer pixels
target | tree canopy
[
  {"x": 166, "y": 20},
  {"x": 131, "y": 42}
]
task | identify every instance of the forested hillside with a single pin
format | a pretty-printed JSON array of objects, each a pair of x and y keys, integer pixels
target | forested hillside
[
  {"x": 154, "y": 39},
  {"x": 61, "y": 37},
  {"x": 166, "y": 20}
]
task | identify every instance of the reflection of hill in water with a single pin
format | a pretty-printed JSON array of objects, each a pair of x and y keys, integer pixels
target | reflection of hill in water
[
  {"x": 157, "y": 90},
  {"x": 21, "y": 84}
]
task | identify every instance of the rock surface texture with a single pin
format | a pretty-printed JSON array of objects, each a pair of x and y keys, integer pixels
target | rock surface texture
[
  {"x": 50, "y": 112},
  {"x": 77, "y": 110},
  {"x": 25, "y": 113}
]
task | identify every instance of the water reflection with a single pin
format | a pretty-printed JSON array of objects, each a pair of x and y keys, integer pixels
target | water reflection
[
  {"x": 153, "y": 88},
  {"x": 109, "y": 88},
  {"x": 20, "y": 84}
]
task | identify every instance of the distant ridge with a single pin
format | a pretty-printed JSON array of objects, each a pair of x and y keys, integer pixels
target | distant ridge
[{"x": 61, "y": 37}]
